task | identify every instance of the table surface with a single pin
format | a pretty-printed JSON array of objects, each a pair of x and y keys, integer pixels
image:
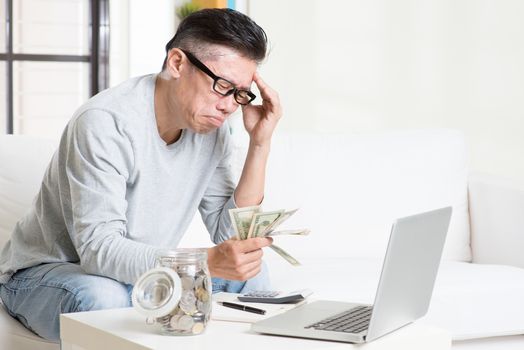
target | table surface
[{"x": 125, "y": 329}]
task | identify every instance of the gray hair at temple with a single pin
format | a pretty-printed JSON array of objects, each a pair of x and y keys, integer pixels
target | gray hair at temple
[{"x": 224, "y": 27}]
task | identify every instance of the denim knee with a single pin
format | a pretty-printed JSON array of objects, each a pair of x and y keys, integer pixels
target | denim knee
[
  {"x": 100, "y": 293},
  {"x": 38, "y": 295},
  {"x": 260, "y": 282}
]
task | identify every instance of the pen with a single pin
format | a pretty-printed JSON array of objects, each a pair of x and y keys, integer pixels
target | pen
[{"x": 243, "y": 308}]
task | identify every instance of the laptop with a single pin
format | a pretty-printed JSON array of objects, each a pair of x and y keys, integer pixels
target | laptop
[{"x": 403, "y": 294}]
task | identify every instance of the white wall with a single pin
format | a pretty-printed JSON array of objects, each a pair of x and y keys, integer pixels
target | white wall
[
  {"x": 139, "y": 31},
  {"x": 152, "y": 27},
  {"x": 373, "y": 65},
  {"x": 361, "y": 66},
  {"x": 118, "y": 41}
]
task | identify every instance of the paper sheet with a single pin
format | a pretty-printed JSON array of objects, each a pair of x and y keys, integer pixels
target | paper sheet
[{"x": 222, "y": 313}]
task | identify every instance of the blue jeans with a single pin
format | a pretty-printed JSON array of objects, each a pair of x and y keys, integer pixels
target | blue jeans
[{"x": 36, "y": 296}]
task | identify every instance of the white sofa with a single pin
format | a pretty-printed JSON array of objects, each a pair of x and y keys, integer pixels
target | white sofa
[
  {"x": 22, "y": 164},
  {"x": 349, "y": 189}
]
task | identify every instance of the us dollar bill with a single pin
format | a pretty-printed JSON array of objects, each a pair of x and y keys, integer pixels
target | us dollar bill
[
  {"x": 250, "y": 222},
  {"x": 297, "y": 232},
  {"x": 286, "y": 215},
  {"x": 261, "y": 221},
  {"x": 285, "y": 255},
  {"x": 241, "y": 219}
]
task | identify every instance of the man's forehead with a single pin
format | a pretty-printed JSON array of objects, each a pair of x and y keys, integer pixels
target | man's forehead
[{"x": 232, "y": 66}]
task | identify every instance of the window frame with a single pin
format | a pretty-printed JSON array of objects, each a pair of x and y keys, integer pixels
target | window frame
[{"x": 98, "y": 58}]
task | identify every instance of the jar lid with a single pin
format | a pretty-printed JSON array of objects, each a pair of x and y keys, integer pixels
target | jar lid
[{"x": 157, "y": 292}]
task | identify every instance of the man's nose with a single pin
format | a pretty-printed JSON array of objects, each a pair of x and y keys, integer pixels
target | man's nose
[{"x": 227, "y": 104}]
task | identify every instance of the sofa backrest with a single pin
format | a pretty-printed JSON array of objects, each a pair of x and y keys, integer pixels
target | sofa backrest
[
  {"x": 23, "y": 160},
  {"x": 350, "y": 189}
]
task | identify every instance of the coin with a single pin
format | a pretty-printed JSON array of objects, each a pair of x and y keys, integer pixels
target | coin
[
  {"x": 164, "y": 320},
  {"x": 198, "y": 316},
  {"x": 202, "y": 294},
  {"x": 187, "y": 282},
  {"x": 185, "y": 323},
  {"x": 174, "y": 321},
  {"x": 188, "y": 302},
  {"x": 177, "y": 311},
  {"x": 204, "y": 307},
  {"x": 199, "y": 280},
  {"x": 198, "y": 328}
]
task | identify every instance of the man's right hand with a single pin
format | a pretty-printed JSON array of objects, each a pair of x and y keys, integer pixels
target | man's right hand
[{"x": 237, "y": 260}]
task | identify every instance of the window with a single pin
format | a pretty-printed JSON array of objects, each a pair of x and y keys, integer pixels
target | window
[{"x": 53, "y": 57}]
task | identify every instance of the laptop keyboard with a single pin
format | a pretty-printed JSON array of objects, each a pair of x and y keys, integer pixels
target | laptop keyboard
[{"x": 354, "y": 320}]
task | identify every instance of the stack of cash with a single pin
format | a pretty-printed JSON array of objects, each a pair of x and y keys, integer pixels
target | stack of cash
[
  {"x": 194, "y": 308},
  {"x": 252, "y": 222}
]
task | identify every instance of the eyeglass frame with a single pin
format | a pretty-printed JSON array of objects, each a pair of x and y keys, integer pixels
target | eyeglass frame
[{"x": 235, "y": 91}]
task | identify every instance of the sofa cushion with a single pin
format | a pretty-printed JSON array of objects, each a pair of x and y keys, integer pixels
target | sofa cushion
[
  {"x": 350, "y": 188},
  {"x": 13, "y": 335},
  {"x": 24, "y": 160}
]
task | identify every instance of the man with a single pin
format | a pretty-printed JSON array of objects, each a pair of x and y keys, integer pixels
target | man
[{"x": 134, "y": 164}]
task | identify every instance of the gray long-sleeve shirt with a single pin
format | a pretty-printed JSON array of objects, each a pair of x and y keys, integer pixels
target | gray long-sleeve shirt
[{"x": 115, "y": 194}]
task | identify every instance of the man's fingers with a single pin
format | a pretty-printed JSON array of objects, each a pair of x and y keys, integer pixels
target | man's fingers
[
  {"x": 265, "y": 90},
  {"x": 252, "y": 244},
  {"x": 248, "y": 270},
  {"x": 249, "y": 257},
  {"x": 243, "y": 267},
  {"x": 261, "y": 84}
]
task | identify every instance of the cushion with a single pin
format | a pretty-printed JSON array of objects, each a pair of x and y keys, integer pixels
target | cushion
[
  {"x": 351, "y": 187},
  {"x": 13, "y": 335},
  {"x": 24, "y": 160}
]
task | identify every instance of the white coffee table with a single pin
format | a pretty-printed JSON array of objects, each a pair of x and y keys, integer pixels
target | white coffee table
[{"x": 125, "y": 329}]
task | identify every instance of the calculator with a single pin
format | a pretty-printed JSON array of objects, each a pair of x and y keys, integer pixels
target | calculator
[{"x": 274, "y": 297}]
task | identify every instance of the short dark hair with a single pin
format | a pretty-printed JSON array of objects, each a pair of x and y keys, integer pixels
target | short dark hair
[{"x": 224, "y": 27}]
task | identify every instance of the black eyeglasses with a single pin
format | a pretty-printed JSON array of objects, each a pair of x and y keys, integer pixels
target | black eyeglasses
[{"x": 220, "y": 85}]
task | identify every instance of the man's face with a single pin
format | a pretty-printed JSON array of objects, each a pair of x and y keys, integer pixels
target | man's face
[{"x": 205, "y": 109}]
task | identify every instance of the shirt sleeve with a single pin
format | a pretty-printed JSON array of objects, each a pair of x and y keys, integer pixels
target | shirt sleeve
[
  {"x": 98, "y": 162},
  {"x": 218, "y": 197}
]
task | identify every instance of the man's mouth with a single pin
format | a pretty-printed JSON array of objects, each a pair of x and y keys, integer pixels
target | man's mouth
[{"x": 217, "y": 121}]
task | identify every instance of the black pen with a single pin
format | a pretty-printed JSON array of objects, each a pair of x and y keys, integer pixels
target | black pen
[{"x": 243, "y": 307}]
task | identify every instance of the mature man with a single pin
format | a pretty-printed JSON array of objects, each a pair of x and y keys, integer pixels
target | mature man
[{"x": 133, "y": 166}]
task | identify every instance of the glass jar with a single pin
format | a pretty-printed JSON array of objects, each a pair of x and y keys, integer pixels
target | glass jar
[{"x": 177, "y": 293}]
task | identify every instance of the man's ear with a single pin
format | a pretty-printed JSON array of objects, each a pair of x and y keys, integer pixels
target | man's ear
[{"x": 174, "y": 64}]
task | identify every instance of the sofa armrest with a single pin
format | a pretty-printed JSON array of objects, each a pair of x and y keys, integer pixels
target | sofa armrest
[{"x": 496, "y": 210}]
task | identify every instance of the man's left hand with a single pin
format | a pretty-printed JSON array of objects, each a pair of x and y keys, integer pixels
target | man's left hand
[{"x": 261, "y": 120}]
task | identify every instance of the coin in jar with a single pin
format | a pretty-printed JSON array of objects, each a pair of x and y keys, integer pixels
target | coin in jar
[
  {"x": 207, "y": 283},
  {"x": 164, "y": 320},
  {"x": 198, "y": 316},
  {"x": 202, "y": 294},
  {"x": 188, "y": 302},
  {"x": 185, "y": 323},
  {"x": 187, "y": 282},
  {"x": 174, "y": 321},
  {"x": 197, "y": 328},
  {"x": 199, "y": 280},
  {"x": 205, "y": 307}
]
